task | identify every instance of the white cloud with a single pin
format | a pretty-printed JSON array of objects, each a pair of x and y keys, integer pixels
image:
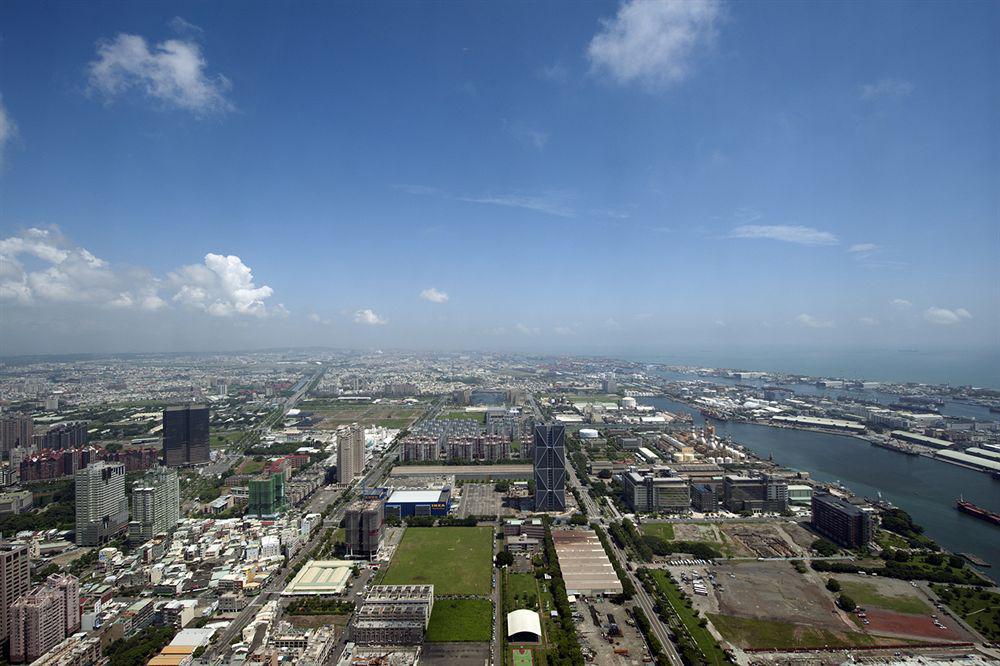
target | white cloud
[
  {"x": 654, "y": 42},
  {"x": 789, "y": 234},
  {"x": 812, "y": 322},
  {"x": 526, "y": 135},
  {"x": 611, "y": 322},
  {"x": 556, "y": 72},
  {"x": 222, "y": 286},
  {"x": 886, "y": 89},
  {"x": 172, "y": 73},
  {"x": 369, "y": 318},
  {"x": 900, "y": 303},
  {"x": 524, "y": 329},
  {"x": 945, "y": 316},
  {"x": 564, "y": 330},
  {"x": 41, "y": 266},
  {"x": 8, "y": 129},
  {"x": 862, "y": 248},
  {"x": 433, "y": 295},
  {"x": 550, "y": 204},
  {"x": 868, "y": 321}
]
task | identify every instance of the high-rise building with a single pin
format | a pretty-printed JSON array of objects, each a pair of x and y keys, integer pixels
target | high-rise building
[
  {"x": 15, "y": 431},
  {"x": 657, "y": 491},
  {"x": 65, "y": 435},
  {"x": 550, "y": 467},
  {"x": 849, "y": 525},
  {"x": 15, "y": 580},
  {"x": 43, "y": 618},
  {"x": 156, "y": 501},
  {"x": 350, "y": 453},
  {"x": 185, "y": 435},
  {"x": 266, "y": 495},
  {"x": 364, "y": 525},
  {"x": 101, "y": 505}
]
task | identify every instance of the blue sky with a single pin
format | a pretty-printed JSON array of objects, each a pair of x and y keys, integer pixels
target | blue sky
[{"x": 551, "y": 176}]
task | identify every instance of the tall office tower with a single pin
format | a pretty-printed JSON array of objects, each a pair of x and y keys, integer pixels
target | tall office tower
[
  {"x": 15, "y": 431},
  {"x": 15, "y": 580},
  {"x": 350, "y": 453},
  {"x": 101, "y": 505},
  {"x": 68, "y": 587},
  {"x": 550, "y": 467},
  {"x": 364, "y": 525},
  {"x": 185, "y": 435},
  {"x": 37, "y": 624},
  {"x": 156, "y": 499}
]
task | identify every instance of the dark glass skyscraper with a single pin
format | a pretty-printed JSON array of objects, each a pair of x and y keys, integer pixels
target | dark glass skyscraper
[
  {"x": 550, "y": 468},
  {"x": 185, "y": 435}
]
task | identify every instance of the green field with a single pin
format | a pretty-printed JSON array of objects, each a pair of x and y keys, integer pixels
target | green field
[
  {"x": 662, "y": 530},
  {"x": 460, "y": 620},
  {"x": 704, "y": 640},
  {"x": 520, "y": 590},
  {"x": 455, "y": 560},
  {"x": 979, "y": 608},
  {"x": 463, "y": 415},
  {"x": 747, "y": 632},
  {"x": 867, "y": 594}
]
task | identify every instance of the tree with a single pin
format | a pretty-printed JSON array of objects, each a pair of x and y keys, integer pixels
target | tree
[
  {"x": 833, "y": 585},
  {"x": 847, "y": 603},
  {"x": 956, "y": 561},
  {"x": 825, "y": 547},
  {"x": 504, "y": 559}
]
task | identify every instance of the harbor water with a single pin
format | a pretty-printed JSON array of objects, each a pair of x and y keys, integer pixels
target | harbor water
[{"x": 925, "y": 488}]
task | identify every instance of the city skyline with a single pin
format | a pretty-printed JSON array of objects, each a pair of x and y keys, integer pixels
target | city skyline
[{"x": 586, "y": 178}]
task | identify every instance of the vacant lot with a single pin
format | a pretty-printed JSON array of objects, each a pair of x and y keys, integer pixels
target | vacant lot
[
  {"x": 455, "y": 560},
  {"x": 387, "y": 416},
  {"x": 662, "y": 530},
  {"x": 773, "y": 591},
  {"x": 463, "y": 415},
  {"x": 887, "y": 594},
  {"x": 757, "y": 633},
  {"x": 460, "y": 620}
]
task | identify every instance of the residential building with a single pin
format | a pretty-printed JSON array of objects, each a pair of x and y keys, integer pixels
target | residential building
[
  {"x": 41, "y": 619},
  {"x": 549, "y": 455},
  {"x": 66, "y": 435},
  {"x": 849, "y": 525},
  {"x": 15, "y": 580},
  {"x": 185, "y": 435},
  {"x": 16, "y": 431},
  {"x": 350, "y": 453},
  {"x": 155, "y": 504},
  {"x": 101, "y": 505},
  {"x": 267, "y": 495}
]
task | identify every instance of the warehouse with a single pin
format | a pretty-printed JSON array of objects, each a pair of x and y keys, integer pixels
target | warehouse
[
  {"x": 404, "y": 503},
  {"x": 320, "y": 578},
  {"x": 972, "y": 461},
  {"x": 585, "y": 566}
]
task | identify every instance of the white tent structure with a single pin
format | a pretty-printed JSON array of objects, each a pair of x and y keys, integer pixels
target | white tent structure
[{"x": 523, "y": 626}]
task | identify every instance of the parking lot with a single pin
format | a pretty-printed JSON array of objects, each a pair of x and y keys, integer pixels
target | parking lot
[{"x": 479, "y": 499}]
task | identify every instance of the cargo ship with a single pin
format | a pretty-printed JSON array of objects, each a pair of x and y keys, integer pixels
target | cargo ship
[{"x": 977, "y": 511}]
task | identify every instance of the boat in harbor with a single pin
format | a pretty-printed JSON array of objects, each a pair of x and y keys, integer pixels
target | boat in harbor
[{"x": 979, "y": 512}]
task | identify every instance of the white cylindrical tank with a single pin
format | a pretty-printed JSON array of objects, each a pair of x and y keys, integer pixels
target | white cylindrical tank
[
  {"x": 727, "y": 460},
  {"x": 588, "y": 433},
  {"x": 628, "y": 403}
]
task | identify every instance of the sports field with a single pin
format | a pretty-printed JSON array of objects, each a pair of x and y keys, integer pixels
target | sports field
[
  {"x": 455, "y": 560},
  {"x": 521, "y": 656},
  {"x": 460, "y": 620}
]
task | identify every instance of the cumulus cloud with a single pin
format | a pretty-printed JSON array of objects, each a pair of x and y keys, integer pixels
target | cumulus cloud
[
  {"x": 886, "y": 89},
  {"x": 812, "y": 322},
  {"x": 8, "y": 130},
  {"x": 654, "y": 42},
  {"x": 946, "y": 316},
  {"x": 786, "y": 233},
  {"x": 42, "y": 265},
  {"x": 900, "y": 303},
  {"x": 433, "y": 295},
  {"x": 172, "y": 73},
  {"x": 368, "y": 317}
]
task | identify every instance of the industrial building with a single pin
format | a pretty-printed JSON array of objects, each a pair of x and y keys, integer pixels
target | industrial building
[
  {"x": 585, "y": 566},
  {"x": 403, "y": 503},
  {"x": 847, "y": 524},
  {"x": 364, "y": 527},
  {"x": 320, "y": 578},
  {"x": 393, "y": 615},
  {"x": 549, "y": 454},
  {"x": 656, "y": 491},
  {"x": 704, "y": 498},
  {"x": 185, "y": 435},
  {"x": 755, "y": 494}
]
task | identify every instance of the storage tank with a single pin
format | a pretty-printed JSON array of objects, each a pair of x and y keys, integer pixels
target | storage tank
[
  {"x": 588, "y": 433},
  {"x": 628, "y": 403},
  {"x": 727, "y": 460}
]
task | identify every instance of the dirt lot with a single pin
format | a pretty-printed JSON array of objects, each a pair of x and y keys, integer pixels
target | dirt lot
[
  {"x": 593, "y": 636},
  {"x": 774, "y": 591},
  {"x": 697, "y": 532},
  {"x": 914, "y": 626},
  {"x": 455, "y": 654},
  {"x": 760, "y": 540}
]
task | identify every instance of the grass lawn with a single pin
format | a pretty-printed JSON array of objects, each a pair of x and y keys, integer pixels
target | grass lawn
[
  {"x": 979, "y": 608},
  {"x": 748, "y": 632},
  {"x": 867, "y": 594},
  {"x": 460, "y": 620},
  {"x": 220, "y": 440},
  {"x": 662, "y": 530},
  {"x": 455, "y": 560},
  {"x": 520, "y": 586},
  {"x": 705, "y": 641}
]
